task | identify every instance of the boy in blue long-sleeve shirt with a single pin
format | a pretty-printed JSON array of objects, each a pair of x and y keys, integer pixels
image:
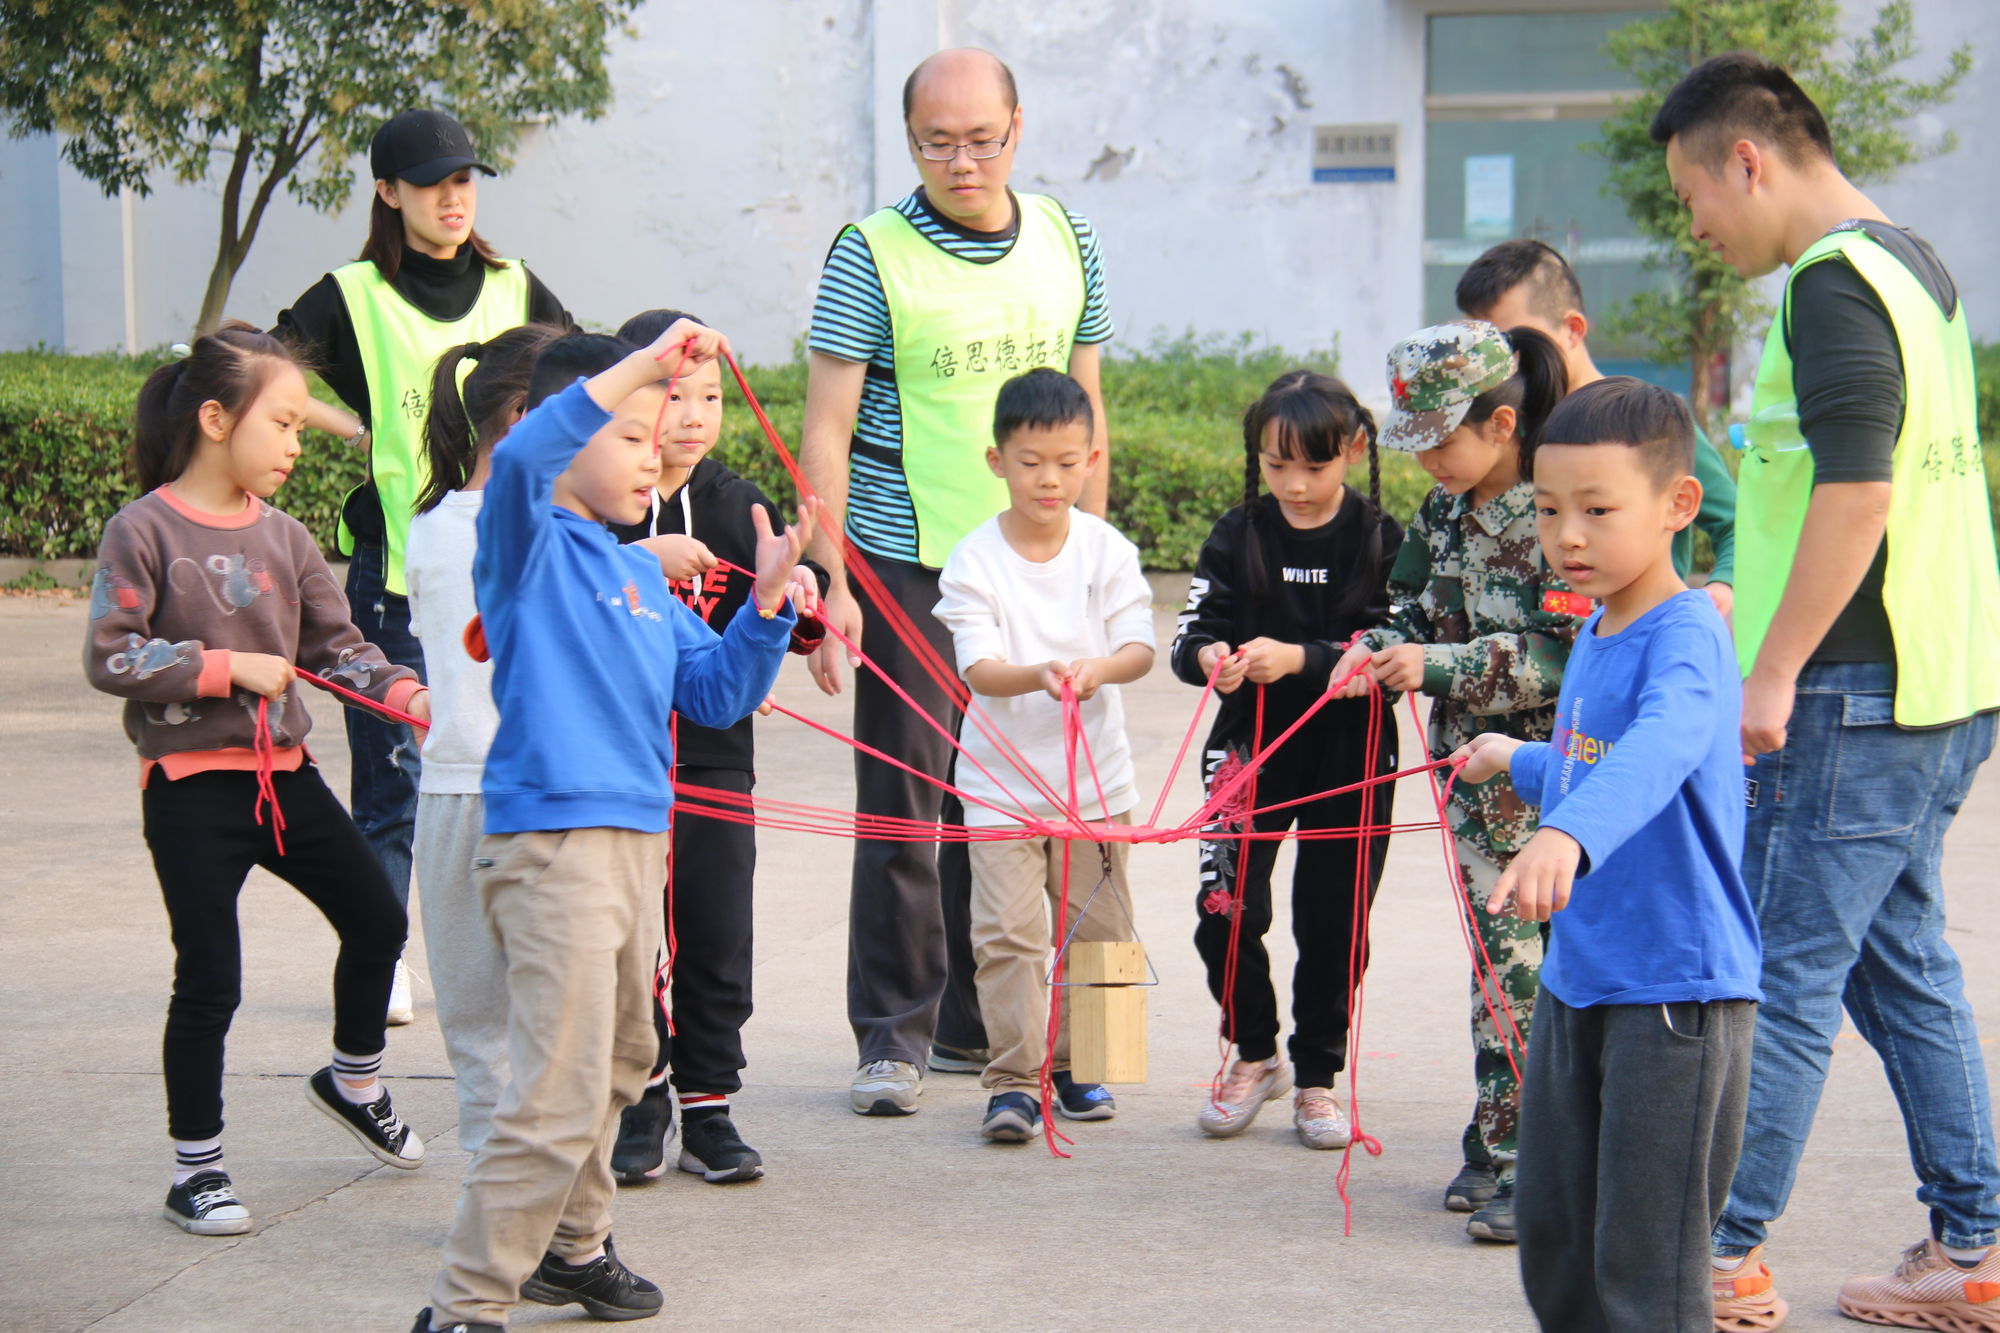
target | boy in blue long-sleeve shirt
[
  {"x": 1632, "y": 1113},
  {"x": 591, "y": 654}
]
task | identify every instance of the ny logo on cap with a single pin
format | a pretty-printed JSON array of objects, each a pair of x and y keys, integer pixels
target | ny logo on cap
[{"x": 444, "y": 138}]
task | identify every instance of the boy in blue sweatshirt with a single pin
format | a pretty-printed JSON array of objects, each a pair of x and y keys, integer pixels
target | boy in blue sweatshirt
[
  {"x": 1632, "y": 1113},
  {"x": 591, "y": 653}
]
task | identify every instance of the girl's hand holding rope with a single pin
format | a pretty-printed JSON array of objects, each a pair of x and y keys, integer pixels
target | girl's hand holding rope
[
  {"x": 1352, "y": 670},
  {"x": 1400, "y": 669},
  {"x": 1224, "y": 666},
  {"x": 261, "y": 674},
  {"x": 1265, "y": 660}
]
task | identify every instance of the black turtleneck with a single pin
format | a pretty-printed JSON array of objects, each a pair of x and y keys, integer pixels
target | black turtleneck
[{"x": 445, "y": 289}]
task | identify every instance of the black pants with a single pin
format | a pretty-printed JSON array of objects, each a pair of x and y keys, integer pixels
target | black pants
[
  {"x": 1328, "y": 752},
  {"x": 708, "y": 911},
  {"x": 204, "y": 837},
  {"x": 1631, "y": 1122},
  {"x": 909, "y": 943}
]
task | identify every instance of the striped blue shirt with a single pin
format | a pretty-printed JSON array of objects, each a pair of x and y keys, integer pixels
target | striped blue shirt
[{"x": 850, "y": 320}]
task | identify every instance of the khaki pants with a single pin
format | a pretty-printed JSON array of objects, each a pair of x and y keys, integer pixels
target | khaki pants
[
  {"x": 1016, "y": 886},
  {"x": 578, "y": 913}
]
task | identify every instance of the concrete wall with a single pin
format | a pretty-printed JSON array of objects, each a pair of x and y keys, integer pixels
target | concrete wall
[{"x": 743, "y": 135}]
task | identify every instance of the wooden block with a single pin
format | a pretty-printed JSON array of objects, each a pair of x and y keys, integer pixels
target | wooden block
[{"x": 1107, "y": 1011}]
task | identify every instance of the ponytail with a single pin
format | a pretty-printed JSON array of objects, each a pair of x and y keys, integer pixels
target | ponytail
[
  {"x": 466, "y": 420},
  {"x": 228, "y": 367},
  {"x": 1540, "y": 381}
]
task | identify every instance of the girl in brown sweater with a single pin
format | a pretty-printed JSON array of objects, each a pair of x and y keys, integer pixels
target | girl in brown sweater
[{"x": 203, "y": 600}]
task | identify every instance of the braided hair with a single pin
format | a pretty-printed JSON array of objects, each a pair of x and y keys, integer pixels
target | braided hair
[{"x": 1316, "y": 416}]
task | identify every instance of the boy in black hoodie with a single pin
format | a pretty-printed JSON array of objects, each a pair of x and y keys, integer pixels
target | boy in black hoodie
[{"x": 699, "y": 527}]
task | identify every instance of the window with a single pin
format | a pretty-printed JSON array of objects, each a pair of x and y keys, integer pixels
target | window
[{"x": 1511, "y": 101}]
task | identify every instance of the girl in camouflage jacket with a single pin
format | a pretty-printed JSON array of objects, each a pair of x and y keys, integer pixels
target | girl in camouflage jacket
[{"x": 1480, "y": 624}]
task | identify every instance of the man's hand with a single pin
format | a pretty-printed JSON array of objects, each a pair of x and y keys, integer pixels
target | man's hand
[
  {"x": 1767, "y": 710},
  {"x": 779, "y": 552},
  {"x": 1400, "y": 668},
  {"x": 1266, "y": 660},
  {"x": 261, "y": 673},
  {"x": 681, "y": 557},
  {"x": 1723, "y": 596},
  {"x": 1539, "y": 878},
  {"x": 1224, "y": 664},
  {"x": 1356, "y": 660},
  {"x": 1484, "y": 756},
  {"x": 841, "y": 613}
]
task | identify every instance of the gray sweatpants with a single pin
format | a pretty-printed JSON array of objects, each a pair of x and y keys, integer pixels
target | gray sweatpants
[
  {"x": 468, "y": 966},
  {"x": 1631, "y": 1122}
]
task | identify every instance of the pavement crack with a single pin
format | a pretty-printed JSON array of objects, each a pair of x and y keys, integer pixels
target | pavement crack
[{"x": 274, "y": 1221}]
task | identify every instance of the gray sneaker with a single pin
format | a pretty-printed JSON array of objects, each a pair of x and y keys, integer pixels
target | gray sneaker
[
  {"x": 1245, "y": 1088},
  {"x": 886, "y": 1087},
  {"x": 1321, "y": 1120}
]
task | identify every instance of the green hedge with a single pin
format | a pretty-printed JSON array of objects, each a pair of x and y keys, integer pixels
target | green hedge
[
  {"x": 1176, "y": 438},
  {"x": 65, "y": 427},
  {"x": 1176, "y": 442}
]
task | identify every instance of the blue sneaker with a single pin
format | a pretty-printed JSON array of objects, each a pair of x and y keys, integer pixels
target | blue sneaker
[
  {"x": 1011, "y": 1117},
  {"x": 1083, "y": 1101}
]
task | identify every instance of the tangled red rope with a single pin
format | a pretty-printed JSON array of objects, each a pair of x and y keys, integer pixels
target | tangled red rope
[{"x": 1232, "y": 801}]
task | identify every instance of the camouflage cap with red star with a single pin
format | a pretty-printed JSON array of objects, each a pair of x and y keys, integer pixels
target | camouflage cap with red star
[{"x": 1435, "y": 374}]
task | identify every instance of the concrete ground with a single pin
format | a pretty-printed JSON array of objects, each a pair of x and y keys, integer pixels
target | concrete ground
[{"x": 861, "y": 1223}]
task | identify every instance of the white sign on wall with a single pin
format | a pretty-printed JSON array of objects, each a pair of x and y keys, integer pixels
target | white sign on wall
[{"x": 1354, "y": 152}]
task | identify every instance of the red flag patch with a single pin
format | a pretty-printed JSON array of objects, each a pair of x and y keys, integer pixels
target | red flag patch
[{"x": 1567, "y": 603}]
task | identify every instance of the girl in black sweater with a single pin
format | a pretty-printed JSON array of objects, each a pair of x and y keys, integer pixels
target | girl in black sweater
[{"x": 1283, "y": 580}]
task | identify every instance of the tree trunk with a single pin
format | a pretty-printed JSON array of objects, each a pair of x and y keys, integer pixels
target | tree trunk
[
  {"x": 1701, "y": 364},
  {"x": 216, "y": 296}
]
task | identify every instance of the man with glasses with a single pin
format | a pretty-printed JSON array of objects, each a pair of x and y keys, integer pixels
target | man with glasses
[{"x": 924, "y": 309}]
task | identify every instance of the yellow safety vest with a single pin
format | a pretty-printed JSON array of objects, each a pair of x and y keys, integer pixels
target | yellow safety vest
[
  {"x": 400, "y": 346},
  {"x": 961, "y": 330},
  {"x": 1941, "y": 585}
]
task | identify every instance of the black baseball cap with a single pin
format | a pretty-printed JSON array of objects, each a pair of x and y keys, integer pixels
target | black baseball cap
[{"x": 422, "y": 147}]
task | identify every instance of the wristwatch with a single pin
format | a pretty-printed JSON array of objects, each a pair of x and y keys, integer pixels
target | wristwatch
[{"x": 354, "y": 441}]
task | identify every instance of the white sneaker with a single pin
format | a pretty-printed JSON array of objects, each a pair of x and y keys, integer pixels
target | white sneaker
[
  {"x": 401, "y": 1009},
  {"x": 886, "y": 1087},
  {"x": 1320, "y": 1119},
  {"x": 1245, "y": 1088}
]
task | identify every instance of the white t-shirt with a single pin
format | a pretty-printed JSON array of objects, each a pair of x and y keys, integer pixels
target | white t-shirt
[
  {"x": 438, "y": 568},
  {"x": 1090, "y": 601}
]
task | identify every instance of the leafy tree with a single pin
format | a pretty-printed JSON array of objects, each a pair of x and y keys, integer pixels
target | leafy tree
[
  {"x": 284, "y": 91},
  {"x": 1701, "y": 310}
]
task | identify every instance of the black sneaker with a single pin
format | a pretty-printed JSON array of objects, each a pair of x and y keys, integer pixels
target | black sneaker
[
  {"x": 1083, "y": 1101},
  {"x": 1011, "y": 1117},
  {"x": 423, "y": 1325},
  {"x": 1495, "y": 1221},
  {"x": 712, "y": 1149},
  {"x": 605, "y": 1287},
  {"x": 205, "y": 1204},
  {"x": 381, "y": 1131},
  {"x": 1470, "y": 1188},
  {"x": 640, "y": 1152}
]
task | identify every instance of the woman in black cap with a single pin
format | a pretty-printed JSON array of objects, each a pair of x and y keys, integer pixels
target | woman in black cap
[{"x": 425, "y": 282}]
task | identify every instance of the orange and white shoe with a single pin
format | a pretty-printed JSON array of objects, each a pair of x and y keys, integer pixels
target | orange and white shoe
[
  {"x": 1928, "y": 1290},
  {"x": 1745, "y": 1300}
]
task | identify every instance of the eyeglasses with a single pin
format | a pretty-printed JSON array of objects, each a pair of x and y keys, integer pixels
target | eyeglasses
[{"x": 982, "y": 151}]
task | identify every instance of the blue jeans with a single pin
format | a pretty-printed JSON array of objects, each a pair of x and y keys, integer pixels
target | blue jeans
[
  {"x": 382, "y": 789},
  {"x": 1846, "y": 828}
]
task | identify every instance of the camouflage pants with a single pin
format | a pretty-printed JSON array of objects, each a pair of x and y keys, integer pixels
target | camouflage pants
[{"x": 1514, "y": 953}]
